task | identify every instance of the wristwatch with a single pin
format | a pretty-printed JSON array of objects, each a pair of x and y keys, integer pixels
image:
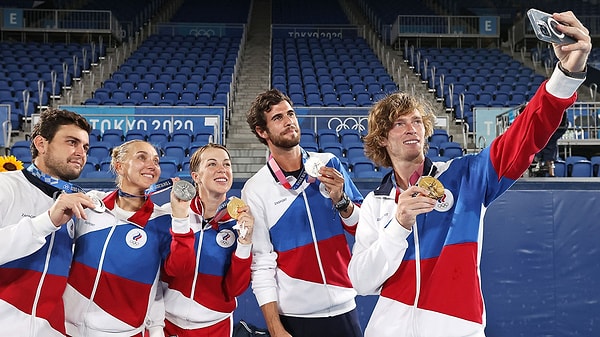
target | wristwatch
[
  {"x": 578, "y": 74},
  {"x": 343, "y": 204}
]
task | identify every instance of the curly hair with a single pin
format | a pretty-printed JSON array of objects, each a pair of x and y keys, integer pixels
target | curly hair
[
  {"x": 264, "y": 102},
  {"x": 51, "y": 120},
  {"x": 381, "y": 120}
]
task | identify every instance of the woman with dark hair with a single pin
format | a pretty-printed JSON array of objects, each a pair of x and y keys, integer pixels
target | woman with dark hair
[{"x": 200, "y": 300}]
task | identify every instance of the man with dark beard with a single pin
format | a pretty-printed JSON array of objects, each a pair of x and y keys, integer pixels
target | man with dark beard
[
  {"x": 302, "y": 202},
  {"x": 36, "y": 226}
]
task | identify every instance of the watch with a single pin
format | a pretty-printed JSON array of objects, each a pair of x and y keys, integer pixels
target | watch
[
  {"x": 343, "y": 204},
  {"x": 578, "y": 74},
  {"x": 184, "y": 190}
]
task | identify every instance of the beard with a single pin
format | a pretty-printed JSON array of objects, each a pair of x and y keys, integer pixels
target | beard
[
  {"x": 284, "y": 142},
  {"x": 62, "y": 170}
]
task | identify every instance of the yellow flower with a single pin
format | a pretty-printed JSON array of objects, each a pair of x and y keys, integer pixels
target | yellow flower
[{"x": 10, "y": 163}]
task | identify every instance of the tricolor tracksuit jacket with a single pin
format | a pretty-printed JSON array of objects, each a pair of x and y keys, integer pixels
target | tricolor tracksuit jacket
[
  {"x": 34, "y": 258},
  {"x": 428, "y": 279},
  {"x": 300, "y": 252},
  {"x": 205, "y": 293},
  {"x": 114, "y": 276}
]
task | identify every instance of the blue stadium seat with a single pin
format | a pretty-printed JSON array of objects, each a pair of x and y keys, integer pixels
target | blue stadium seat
[
  {"x": 595, "y": 162},
  {"x": 182, "y": 136},
  {"x": 158, "y": 138},
  {"x": 360, "y": 164},
  {"x": 308, "y": 135},
  {"x": 113, "y": 136},
  {"x": 578, "y": 166},
  {"x": 136, "y": 134},
  {"x": 560, "y": 168},
  {"x": 333, "y": 147},
  {"x": 175, "y": 149},
  {"x": 21, "y": 149},
  {"x": 168, "y": 168},
  {"x": 450, "y": 149},
  {"x": 100, "y": 150},
  {"x": 348, "y": 136},
  {"x": 439, "y": 136},
  {"x": 326, "y": 136},
  {"x": 354, "y": 150}
]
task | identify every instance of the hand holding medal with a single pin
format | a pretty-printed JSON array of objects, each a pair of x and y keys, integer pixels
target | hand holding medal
[
  {"x": 432, "y": 185},
  {"x": 181, "y": 194},
  {"x": 238, "y": 210}
]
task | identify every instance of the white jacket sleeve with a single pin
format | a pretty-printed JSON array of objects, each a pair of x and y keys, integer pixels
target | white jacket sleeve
[
  {"x": 379, "y": 247},
  {"x": 155, "y": 320},
  {"x": 24, "y": 237},
  {"x": 264, "y": 259}
]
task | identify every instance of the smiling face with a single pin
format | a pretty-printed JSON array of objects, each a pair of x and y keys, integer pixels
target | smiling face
[
  {"x": 282, "y": 126},
  {"x": 64, "y": 156},
  {"x": 136, "y": 164},
  {"x": 212, "y": 173},
  {"x": 406, "y": 139}
]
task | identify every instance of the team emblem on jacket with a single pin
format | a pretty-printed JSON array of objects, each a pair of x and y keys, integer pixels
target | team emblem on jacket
[
  {"x": 323, "y": 191},
  {"x": 136, "y": 238},
  {"x": 225, "y": 238},
  {"x": 446, "y": 202}
]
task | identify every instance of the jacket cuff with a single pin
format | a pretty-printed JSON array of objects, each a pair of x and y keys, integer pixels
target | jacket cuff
[
  {"x": 43, "y": 226},
  {"x": 352, "y": 220},
  {"x": 396, "y": 231},
  {"x": 180, "y": 225},
  {"x": 243, "y": 250},
  {"x": 562, "y": 86}
]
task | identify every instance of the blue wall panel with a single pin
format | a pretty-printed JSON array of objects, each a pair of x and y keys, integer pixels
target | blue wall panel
[{"x": 540, "y": 264}]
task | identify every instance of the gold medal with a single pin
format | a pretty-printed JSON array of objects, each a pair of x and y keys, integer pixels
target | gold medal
[
  {"x": 431, "y": 184},
  {"x": 233, "y": 205}
]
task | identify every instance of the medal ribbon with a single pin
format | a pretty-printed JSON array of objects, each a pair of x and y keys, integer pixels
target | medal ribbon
[
  {"x": 55, "y": 182},
  {"x": 62, "y": 185},
  {"x": 281, "y": 177},
  {"x": 160, "y": 186},
  {"x": 219, "y": 214},
  {"x": 411, "y": 181}
]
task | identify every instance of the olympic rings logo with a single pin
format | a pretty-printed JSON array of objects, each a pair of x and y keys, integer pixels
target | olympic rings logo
[
  {"x": 201, "y": 32},
  {"x": 353, "y": 123}
]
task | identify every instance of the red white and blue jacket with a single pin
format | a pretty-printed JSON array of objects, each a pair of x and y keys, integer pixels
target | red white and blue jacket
[
  {"x": 300, "y": 250},
  {"x": 35, "y": 257},
  {"x": 114, "y": 276},
  {"x": 428, "y": 279},
  {"x": 205, "y": 293}
]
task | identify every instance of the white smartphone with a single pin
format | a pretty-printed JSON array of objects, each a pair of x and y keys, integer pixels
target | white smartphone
[{"x": 544, "y": 27}]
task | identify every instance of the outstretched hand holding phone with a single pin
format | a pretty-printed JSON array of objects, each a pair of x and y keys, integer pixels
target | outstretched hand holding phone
[{"x": 544, "y": 27}]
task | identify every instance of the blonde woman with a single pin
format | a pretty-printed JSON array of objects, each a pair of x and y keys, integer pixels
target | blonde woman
[{"x": 119, "y": 250}]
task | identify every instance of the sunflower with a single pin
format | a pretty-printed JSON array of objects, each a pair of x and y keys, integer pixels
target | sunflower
[{"x": 10, "y": 163}]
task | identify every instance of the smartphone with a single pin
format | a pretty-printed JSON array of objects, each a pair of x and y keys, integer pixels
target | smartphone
[{"x": 544, "y": 27}]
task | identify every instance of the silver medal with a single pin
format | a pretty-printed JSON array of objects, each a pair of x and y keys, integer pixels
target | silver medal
[
  {"x": 312, "y": 166},
  {"x": 184, "y": 190}
]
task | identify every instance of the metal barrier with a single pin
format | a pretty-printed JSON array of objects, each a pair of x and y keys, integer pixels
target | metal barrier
[
  {"x": 59, "y": 21},
  {"x": 583, "y": 130},
  {"x": 522, "y": 31},
  {"x": 445, "y": 27}
]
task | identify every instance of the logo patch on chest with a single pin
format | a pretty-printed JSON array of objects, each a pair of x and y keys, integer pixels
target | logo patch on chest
[
  {"x": 225, "y": 238},
  {"x": 136, "y": 238},
  {"x": 446, "y": 202}
]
